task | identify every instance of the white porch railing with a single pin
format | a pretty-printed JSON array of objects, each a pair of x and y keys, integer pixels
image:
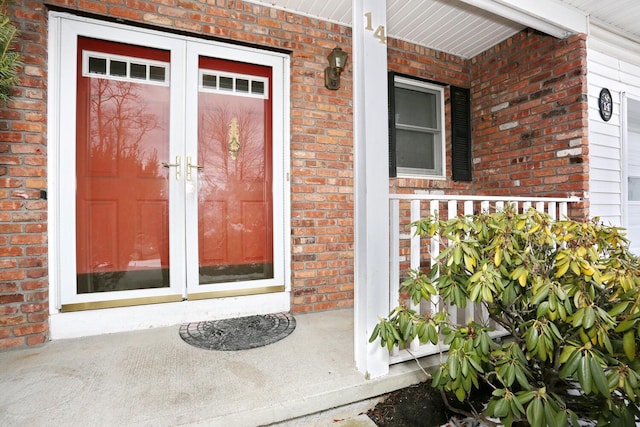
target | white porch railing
[{"x": 409, "y": 251}]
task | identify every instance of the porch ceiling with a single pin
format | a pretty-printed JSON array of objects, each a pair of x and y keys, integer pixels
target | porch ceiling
[{"x": 457, "y": 27}]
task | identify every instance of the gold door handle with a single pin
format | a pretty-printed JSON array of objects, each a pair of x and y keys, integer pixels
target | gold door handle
[
  {"x": 190, "y": 166},
  {"x": 174, "y": 165}
]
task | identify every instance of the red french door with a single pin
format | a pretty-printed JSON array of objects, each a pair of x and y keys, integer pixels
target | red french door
[
  {"x": 174, "y": 187},
  {"x": 122, "y": 138},
  {"x": 235, "y": 209}
]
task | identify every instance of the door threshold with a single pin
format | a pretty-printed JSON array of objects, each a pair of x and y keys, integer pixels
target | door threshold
[{"x": 76, "y": 324}]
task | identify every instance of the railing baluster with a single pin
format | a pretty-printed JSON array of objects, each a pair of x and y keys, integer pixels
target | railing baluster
[
  {"x": 394, "y": 253},
  {"x": 551, "y": 210},
  {"x": 435, "y": 251},
  {"x": 469, "y": 312},
  {"x": 452, "y": 212},
  {"x": 415, "y": 258},
  {"x": 394, "y": 259},
  {"x": 564, "y": 209},
  {"x": 468, "y": 207}
]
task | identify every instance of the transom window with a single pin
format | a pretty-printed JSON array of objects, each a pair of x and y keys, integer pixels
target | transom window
[
  {"x": 238, "y": 84},
  {"x": 417, "y": 127},
  {"x": 117, "y": 67}
]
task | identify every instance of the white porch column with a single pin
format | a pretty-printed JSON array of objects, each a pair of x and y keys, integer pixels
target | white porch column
[{"x": 371, "y": 182}]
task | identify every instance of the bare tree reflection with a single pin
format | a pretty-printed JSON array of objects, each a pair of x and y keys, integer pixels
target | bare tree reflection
[
  {"x": 121, "y": 121},
  {"x": 127, "y": 140},
  {"x": 213, "y": 133},
  {"x": 235, "y": 206}
]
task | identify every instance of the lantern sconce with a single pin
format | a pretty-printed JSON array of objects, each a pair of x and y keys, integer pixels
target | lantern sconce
[{"x": 337, "y": 60}]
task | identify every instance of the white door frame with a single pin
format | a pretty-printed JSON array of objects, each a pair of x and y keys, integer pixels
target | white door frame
[{"x": 61, "y": 191}]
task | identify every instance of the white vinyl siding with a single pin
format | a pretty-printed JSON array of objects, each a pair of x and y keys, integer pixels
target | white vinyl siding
[{"x": 610, "y": 150}]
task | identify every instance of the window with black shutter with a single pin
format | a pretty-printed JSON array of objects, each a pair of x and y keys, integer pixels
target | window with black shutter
[{"x": 417, "y": 132}]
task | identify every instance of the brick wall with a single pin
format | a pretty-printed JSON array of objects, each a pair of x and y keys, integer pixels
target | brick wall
[
  {"x": 529, "y": 113},
  {"x": 23, "y": 210}
]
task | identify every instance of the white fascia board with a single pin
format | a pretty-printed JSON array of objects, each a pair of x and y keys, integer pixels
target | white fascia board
[
  {"x": 548, "y": 16},
  {"x": 613, "y": 44}
]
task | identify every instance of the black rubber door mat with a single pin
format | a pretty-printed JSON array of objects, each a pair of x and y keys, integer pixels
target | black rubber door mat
[{"x": 241, "y": 333}]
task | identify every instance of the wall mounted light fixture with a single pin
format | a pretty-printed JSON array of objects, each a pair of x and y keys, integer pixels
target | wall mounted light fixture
[{"x": 337, "y": 60}]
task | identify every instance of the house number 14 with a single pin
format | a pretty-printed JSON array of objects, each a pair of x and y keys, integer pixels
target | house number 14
[{"x": 378, "y": 33}]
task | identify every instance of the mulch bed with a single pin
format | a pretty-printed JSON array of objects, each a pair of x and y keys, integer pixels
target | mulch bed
[{"x": 419, "y": 405}]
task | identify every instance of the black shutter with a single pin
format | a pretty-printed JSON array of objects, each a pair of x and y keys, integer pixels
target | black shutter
[
  {"x": 392, "y": 126},
  {"x": 460, "y": 134}
]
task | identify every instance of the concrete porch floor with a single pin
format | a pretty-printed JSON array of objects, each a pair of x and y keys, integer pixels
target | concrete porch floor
[{"x": 153, "y": 378}]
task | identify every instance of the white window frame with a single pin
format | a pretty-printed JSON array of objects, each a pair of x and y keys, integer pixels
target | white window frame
[
  {"x": 87, "y": 55},
  {"x": 627, "y": 128},
  {"x": 439, "y": 172}
]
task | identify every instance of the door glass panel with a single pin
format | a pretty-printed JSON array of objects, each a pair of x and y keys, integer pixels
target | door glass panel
[
  {"x": 235, "y": 209},
  {"x": 122, "y": 224}
]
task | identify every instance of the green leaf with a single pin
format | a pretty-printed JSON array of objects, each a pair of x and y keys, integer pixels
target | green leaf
[
  {"x": 374, "y": 334},
  {"x": 589, "y": 317},
  {"x": 525, "y": 397},
  {"x": 501, "y": 408},
  {"x": 535, "y": 413},
  {"x": 522, "y": 379},
  {"x": 436, "y": 377},
  {"x": 629, "y": 344},
  {"x": 572, "y": 364},
  {"x": 567, "y": 351},
  {"x": 549, "y": 415},
  {"x": 543, "y": 309},
  {"x": 618, "y": 308},
  {"x": 532, "y": 339},
  {"x": 578, "y": 317},
  {"x": 584, "y": 374},
  {"x": 598, "y": 377},
  {"x": 453, "y": 366},
  {"x": 626, "y": 324},
  {"x": 542, "y": 294},
  {"x": 561, "y": 419}
]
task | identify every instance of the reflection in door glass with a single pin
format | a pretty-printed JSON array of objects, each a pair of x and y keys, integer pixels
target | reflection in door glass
[
  {"x": 235, "y": 211},
  {"x": 122, "y": 192}
]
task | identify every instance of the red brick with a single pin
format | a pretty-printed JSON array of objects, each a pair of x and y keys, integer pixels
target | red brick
[
  {"x": 34, "y": 308},
  {"x": 13, "y": 320},
  {"x": 37, "y": 339},
  {"x": 11, "y": 343},
  {"x": 8, "y": 299},
  {"x": 29, "y": 329},
  {"x": 34, "y": 285},
  {"x": 38, "y": 317},
  {"x": 37, "y": 296}
]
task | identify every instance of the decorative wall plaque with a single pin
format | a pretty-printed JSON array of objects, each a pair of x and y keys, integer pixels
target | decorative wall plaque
[{"x": 605, "y": 104}]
